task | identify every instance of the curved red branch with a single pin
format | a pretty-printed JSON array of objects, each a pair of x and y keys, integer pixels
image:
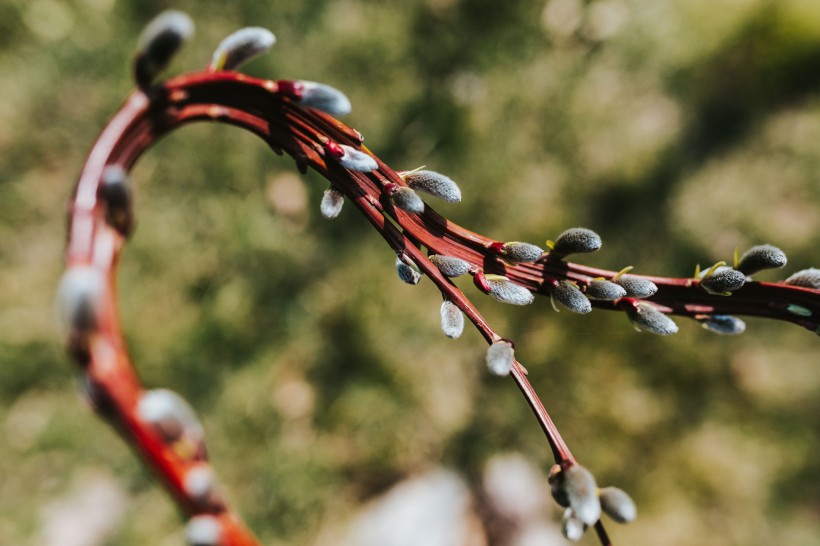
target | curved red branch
[{"x": 256, "y": 105}]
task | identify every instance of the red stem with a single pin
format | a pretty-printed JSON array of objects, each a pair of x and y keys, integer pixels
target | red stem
[{"x": 256, "y": 105}]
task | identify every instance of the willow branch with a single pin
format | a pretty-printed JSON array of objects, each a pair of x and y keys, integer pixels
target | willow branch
[{"x": 265, "y": 109}]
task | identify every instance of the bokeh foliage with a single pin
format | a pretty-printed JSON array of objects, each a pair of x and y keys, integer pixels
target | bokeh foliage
[{"x": 677, "y": 129}]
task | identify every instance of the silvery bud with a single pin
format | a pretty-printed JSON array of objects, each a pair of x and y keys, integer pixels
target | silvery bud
[
  {"x": 240, "y": 47},
  {"x": 452, "y": 319},
  {"x": 158, "y": 43},
  {"x": 761, "y": 257},
  {"x": 519, "y": 252},
  {"x": 204, "y": 530},
  {"x": 574, "y": 486},
  {"x": 600, "y": 289},
  {"x": 571, "y": 297},
  {"x": 406, "y": 272},
  {"x": 406, "y": 199},
  {"x": 350, "y": 158},
  {"x": 571, "y": 527},
  {"x": 722, "y": 280},
  {"x": 618, "y": 505},
  {"x": 636, "y": 287},
  {"x": 433, "y": 183},
  {"x": 451, "y": 266},
  {"x": 576, "y": 241},
  {"x": 201, "y": 487},
  {"x": 79, "y": 298},
  {"x": 170, "y": 416},
  {"x": 506, "y": 292},
  {"x": 646, "y": 317},
  {"x": 322, "y": 97},
  {"x": 115, "y": 191},
  {"x": 807, "y": 278},
  {"x": 722, "y": 324},
  {"x": 332, "y": 202},
  {"x": 500, "y": 358}
]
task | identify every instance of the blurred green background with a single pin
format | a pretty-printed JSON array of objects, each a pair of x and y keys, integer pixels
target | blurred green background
[{"x": 677, "y": 129}]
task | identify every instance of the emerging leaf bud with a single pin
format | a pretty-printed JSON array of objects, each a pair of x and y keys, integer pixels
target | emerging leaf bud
[
  {"x": 172, "y": 418},
  {"x": 350, "y": 158},
  {"x": 506, "y": 292},
  {"x": 571, "y": 527},
  {"x": 807, "y": 278},
  {"x": 322, "y": 97},
  {"x": 636, "y": 287},
  {"x": 433, "y": 183},
  {"x": 240, "y": 47},
  {"x": 158, "y": 43},
  {"x": 518, "y": 252},
  {"x": 406, "y": 272},
  {"x": 405, "y": 198},
  {"x": 618, "y": 505},
  {"x": 575, "y": 241},
  {"x": 722, "y": 280},
  {"x": 115, "y": 192},
  {"x": 569, "y": 296},
  {"x": 332, "y": 202},
  {"x": 204, "y": 530},
  {"x": 500, "y": 358},
  {"x": 452, "y": 319},
  {"x": 646, "y": 317},
  {"x": 201, "y": 487},
  {"x": 600, "y": 289},
  {"x": 451, "y": 266},
  {"x": 722, "y": 324},
  {"x": 575, "y": 486},
  {"x": 761, "y": 257}
]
